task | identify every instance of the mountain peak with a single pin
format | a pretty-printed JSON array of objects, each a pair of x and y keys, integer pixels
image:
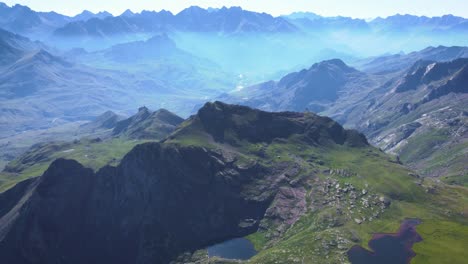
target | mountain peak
[
  {"x": 235, "y": 123},
  {"x": 147, "y": 124},
  {"x": 127, "y": 13},
  {"x": 193, "y": 10},
  {"x": 143, "y": 109},
  {"x": 87, "y": 12},
  {"x": 336, "y": 63}
]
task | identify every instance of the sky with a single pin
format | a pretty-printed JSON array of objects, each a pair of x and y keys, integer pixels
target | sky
[{"x": 351, "y": 8}]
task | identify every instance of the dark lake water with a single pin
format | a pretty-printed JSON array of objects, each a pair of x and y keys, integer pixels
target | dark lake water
[
  {"x": 238, "y": 248},
  {"x": 389, "y": 248}
]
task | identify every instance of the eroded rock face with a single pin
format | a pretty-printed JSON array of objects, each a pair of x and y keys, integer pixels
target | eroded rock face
[{"x": 160, "y": 201}]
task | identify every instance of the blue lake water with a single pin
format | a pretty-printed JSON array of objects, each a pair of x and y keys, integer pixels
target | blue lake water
[
  {"x": 388, "y": 248},
  {"x": 238, "y": 248}
]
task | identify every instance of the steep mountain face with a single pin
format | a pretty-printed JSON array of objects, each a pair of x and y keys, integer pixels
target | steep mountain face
[
  {"x": 226, "y": 20},
  {"x": 227, "y": 172},
  {"x": 421, "y": 116},
  {"x": 399, "y": 62},
  {"x": 315, "y": 89}
]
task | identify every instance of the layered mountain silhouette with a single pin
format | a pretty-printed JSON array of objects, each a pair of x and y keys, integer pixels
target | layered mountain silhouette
[
  {"x": 85, "y": 179},
  {"x": 52, "y": 85},
  {"x": 228, "y": 20},
  {"x": 80, "y": 85}
]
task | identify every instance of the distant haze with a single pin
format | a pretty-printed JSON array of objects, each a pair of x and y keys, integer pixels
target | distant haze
[{"x": 351, "y": 8}]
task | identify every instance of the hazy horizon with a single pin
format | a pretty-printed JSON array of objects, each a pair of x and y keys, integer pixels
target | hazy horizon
[{"x": 374, "y": 9}]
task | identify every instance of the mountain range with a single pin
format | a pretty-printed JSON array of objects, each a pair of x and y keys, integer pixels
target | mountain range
[
  {"x": 228, "y": 171},
  {"x": 21, "y": 19},
  {"x": 385, "y": 106},
  {"x": 235, "y": 20},
  {"x": 78, "y": 85},
  {"x": 398, "y": 22},
  {"x": 307, "y": 139},
  {"x": 312, "y": 89},
  {"x": 227, "y": 20},
  {"x": 421, "y": 116}
]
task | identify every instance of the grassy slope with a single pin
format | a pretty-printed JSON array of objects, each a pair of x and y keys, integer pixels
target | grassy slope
[
  {"x": 91, "y": 154},
  {"x": 429, "y": 155},
  {"x": 323, "y": 236},
  {"x": 440, "y": 213}
]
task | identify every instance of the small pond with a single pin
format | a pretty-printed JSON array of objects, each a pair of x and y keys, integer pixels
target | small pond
[
  {"x": 389, "y": 248},
  {"x": 238, "y": 248}
]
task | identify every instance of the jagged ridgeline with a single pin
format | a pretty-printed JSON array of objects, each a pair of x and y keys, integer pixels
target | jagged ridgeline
[{"x": 299, "y": 186}]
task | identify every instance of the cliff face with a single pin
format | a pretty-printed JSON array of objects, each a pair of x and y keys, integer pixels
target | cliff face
[
  {"x": 159, "y": 201},
  {"x": 165, "y": 198}
]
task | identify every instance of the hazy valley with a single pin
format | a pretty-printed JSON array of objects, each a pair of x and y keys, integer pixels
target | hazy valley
[{"x": 150, "y": 137}]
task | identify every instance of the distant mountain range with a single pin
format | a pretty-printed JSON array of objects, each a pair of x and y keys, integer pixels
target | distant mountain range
[
  {"x": 396, "y": 23},
  {"x": 234, "y": 20},
  {"x": 319, "y": 141},
  {"x": 21, "y": 19},
  {"x": 193, "y": 19}
]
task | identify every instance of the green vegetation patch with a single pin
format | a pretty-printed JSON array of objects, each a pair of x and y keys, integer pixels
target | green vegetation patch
[{"x": 93, "y": 154}]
